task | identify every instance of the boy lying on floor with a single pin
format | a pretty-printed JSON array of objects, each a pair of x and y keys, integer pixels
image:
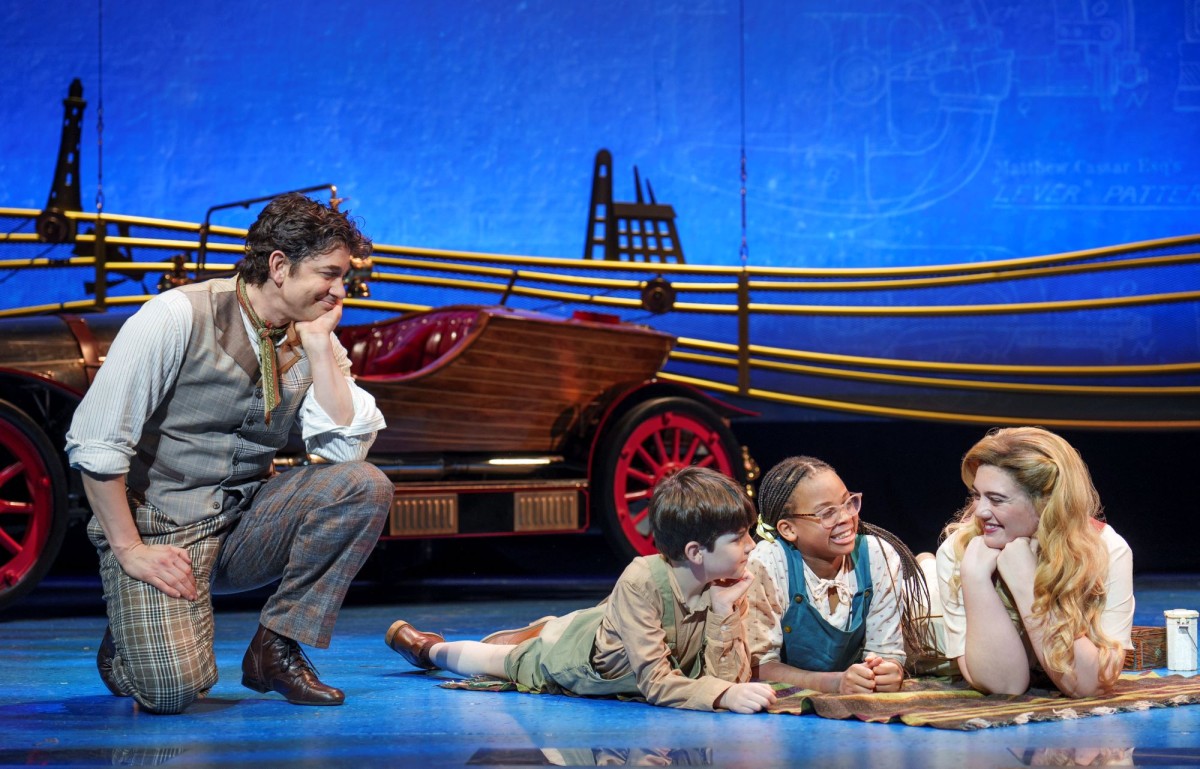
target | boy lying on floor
[{"x": 672, "y": 630}]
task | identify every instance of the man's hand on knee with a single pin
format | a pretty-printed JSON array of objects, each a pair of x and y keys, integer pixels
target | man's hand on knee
[{"x": 165, "y": 567}]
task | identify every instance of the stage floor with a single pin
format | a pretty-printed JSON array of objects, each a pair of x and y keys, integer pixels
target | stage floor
[{"x": 54, "y": 711}]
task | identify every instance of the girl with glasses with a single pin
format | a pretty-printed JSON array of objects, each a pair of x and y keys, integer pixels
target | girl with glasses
[{"x": 834, "y": 599}]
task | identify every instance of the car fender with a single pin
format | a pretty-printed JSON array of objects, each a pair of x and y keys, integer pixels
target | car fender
[
  {"x": 49, "y": 401},
  {"x": 51, "y": 405}
]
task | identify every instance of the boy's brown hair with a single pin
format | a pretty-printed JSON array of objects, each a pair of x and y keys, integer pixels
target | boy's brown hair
[{"x": 697, "y": 504}]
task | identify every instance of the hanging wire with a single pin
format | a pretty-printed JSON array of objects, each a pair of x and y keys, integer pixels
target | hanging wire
[
  {"x": 744, "y": 251},
  {"x": 552, "y": 306},
  {"x": 100, "y": 107},
  {"x": 20, "y": 223}
]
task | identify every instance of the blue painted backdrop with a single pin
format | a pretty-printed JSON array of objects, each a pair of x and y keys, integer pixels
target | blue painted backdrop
[
  {"x": 883, "y": 132},
  {"x": 878, "y": 133}
]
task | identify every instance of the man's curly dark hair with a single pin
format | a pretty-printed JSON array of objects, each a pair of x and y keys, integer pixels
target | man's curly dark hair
[{"x": 302, "y": 228}]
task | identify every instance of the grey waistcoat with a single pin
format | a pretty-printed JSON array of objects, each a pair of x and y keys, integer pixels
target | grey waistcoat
[{"x": 206, "y": 449}]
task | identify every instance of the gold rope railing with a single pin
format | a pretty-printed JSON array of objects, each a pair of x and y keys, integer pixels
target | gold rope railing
[
  {"x": 633, "y": 303},
  {"x": 989, "y": 271},
  {"x": 982, "y": 277},
  {"x": 756, "y": 273},
  {"x": 925, "y": 381},
  {"x": 511, "y": 275},
  {"x": 866, "y": 409},
  {"x": 995, "y": 369},
  {"x": 999, "y": 265},
  {"x": 947, "y": 274},
  {"x": 1007, "y": 308}
]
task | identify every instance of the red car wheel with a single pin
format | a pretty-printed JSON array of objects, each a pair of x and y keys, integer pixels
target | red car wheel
[
  {"x": 32, "y": 504},
  {"x": 652, "y": 441}
]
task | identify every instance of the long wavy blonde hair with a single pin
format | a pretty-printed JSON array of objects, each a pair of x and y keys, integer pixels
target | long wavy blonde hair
[{"x": 1072, "y": 562}]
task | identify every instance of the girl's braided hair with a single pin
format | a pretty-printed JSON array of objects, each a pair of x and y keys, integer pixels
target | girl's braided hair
[
  {"x": 775, "y": 490},
  {"x": 774, "y": 504}
]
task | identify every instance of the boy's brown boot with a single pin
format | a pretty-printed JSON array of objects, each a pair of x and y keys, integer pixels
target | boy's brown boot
[{"x": 412, "y": 644}]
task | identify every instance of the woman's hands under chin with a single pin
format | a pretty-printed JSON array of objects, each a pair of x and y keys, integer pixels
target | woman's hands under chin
[
  {"x": 1018, "y": 561},
  {"x": 979, "y": 560}
]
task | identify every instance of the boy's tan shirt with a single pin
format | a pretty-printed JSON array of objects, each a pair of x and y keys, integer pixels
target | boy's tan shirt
[{"x": 631, "y": 638}]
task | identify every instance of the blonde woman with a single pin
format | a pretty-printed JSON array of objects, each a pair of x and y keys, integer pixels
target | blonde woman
[{"x": 1030, "y": 576}]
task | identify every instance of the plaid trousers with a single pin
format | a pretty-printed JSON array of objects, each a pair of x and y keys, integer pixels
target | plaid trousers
[{"x": 311, "y": 528}]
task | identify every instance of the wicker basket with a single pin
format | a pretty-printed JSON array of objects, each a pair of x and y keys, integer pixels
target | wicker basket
[{"x": 1149, "y": 648}]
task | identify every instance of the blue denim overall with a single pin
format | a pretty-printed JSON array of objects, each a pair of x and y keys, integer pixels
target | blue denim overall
[{"x": 809, "y": 641}]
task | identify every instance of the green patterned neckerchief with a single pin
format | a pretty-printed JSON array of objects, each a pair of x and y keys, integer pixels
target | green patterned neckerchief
[{"x": 268, "y": 335}]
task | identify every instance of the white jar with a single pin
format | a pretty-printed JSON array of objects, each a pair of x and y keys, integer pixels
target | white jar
[{"x": 1181, "y": 638}]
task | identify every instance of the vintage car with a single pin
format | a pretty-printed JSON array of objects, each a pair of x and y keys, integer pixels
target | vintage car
[{"x": 500, "y": 422}]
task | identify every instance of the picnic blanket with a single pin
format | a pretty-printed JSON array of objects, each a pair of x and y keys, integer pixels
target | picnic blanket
[
  {"x": 945, "y": 705},
  {"x": 942, "y": 704}
]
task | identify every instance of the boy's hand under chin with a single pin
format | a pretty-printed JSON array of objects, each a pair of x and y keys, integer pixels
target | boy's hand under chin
[{"x": 725, "y": 593}]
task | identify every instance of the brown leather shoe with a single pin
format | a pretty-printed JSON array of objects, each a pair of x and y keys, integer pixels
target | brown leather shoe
[
  {"x": 104, "y": 662},
  {"x": 278, "y": 664},
  {"x": 412, "y": 644},
  {"x": 514, "y": 637}
]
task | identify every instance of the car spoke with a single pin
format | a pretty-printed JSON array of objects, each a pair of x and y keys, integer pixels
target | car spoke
[
  {"x": 639, "y": 495},
  {"x": 662, "y": 449},
  {"x": 693, "y": 446},
  {"x": 10, "y": 472},
  {"x": 11, "y": 507},
  {"x": 648, "y": 479},
  {"x": 649, "y": 460},
  {"x": 10, "y": 544}
]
